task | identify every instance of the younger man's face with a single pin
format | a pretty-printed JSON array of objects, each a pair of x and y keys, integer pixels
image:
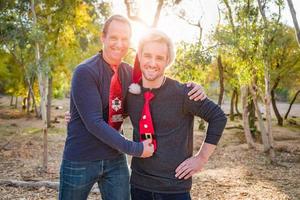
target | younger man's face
[{"x": 153, "y": 60}]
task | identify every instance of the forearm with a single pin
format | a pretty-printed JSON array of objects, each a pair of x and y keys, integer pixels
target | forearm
[
  {"x": 215, "y": 128},
  {"x": 195, "y": 163},
  {"x": 113, "y": 138},
  {"x": 205, "y": 151},
  {"x": 88, "y": 102}
]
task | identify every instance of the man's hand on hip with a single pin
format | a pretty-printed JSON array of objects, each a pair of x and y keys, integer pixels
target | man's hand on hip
[{"x": 189, "y": 167}]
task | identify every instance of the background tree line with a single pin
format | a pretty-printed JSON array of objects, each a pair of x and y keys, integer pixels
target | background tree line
[{"x": 251, "y": 57}]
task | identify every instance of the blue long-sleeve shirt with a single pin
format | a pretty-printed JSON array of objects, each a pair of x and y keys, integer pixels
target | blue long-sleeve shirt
[
  {"x": 89, "y": 135},
  {"x": 173, "y": 120}
]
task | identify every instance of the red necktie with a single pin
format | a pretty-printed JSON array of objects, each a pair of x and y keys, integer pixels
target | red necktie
[
  {"x": 115, "y": 118},
  {"x": 146, "y": 124}
]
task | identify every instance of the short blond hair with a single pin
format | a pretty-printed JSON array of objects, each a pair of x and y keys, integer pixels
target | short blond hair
[{"x": 155, "y": 35}]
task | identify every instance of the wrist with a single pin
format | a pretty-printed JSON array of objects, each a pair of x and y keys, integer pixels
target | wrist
[
  {"x": 140, "y": 149},
  {"x": 201, "y": 157}
]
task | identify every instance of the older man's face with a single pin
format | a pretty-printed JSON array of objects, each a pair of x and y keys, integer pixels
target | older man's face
[
  {"x": 153, "y": 60},
  {"x": 116, "y": 42}
]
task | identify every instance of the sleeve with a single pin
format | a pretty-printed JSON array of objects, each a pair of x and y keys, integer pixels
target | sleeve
[
  {"x": 211, "y": 113},
  {"x": 88, "y": 102}
]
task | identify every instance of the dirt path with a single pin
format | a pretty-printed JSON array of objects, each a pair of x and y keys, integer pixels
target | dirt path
[{"x": 234, "y": 172}]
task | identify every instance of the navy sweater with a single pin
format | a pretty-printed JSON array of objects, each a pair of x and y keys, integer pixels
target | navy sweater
[
  {"x": 89, "y": 135},
  {"x": 173, "y": 118}
]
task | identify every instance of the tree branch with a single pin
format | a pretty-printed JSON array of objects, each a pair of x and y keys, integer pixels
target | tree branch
[
  {"x": 198, "y": 25},
  {"x": 133, "y": 17},
  {"x": 295, "y": 21},
  {"x": 157, "y": 13},
  {"x": 262, "y": 11},
  {"x": 230, "y": 15}
]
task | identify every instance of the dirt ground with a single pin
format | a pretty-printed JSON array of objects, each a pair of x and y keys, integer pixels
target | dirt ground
[{"x": 234, "y": 172}]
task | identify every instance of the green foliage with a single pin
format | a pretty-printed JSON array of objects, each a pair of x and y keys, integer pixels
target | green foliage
[
  {"x": 11, "y": 77},
  {"x": 285, "y": 60},
  {"x": 239, "y": 43},
  {"x": 190, "y": 63},
  {"x": 4, "y": 72},
  {"x": 247, "y": 45},
  {"x": 67, "y": 32},
  {"x": 282, "y": 94}
]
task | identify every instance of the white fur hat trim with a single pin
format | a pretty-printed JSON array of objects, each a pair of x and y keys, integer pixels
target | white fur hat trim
[{"x": 135, "y": 88}]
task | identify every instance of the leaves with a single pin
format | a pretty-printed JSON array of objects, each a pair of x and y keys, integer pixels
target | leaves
[
  {"x": 190, "y": 63},
  {"x": 67, "y": 33}
]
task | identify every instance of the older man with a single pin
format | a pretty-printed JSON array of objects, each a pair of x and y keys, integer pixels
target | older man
[
  {"x": 163, "y": 112},
  {"x": 94, "y": 146}
]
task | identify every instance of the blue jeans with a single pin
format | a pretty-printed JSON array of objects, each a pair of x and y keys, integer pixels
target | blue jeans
[
  {"x": 138, "y": 194},
  {"x": 77, "y": 179}
]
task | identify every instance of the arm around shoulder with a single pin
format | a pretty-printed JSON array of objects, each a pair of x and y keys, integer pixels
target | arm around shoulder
[{"x": 88, "y": 102}]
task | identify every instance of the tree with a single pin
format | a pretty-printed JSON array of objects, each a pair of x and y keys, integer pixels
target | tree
[
  {"x": 295, "y": 21},
  {"x": 133, "y": 11},
  {"x": 221, "y": 78},
  {"x": 76, "y": 37},
  {"x": 190, "y": 63},
  {"x": 291, "y": 104},
  {"x": 237, "y": 42},
  {"x": 242, "y": 39},
  {"x": 47, "y": 40},
  {"x": 284, "y": 62},
  {"x": 247, "y": 131}
]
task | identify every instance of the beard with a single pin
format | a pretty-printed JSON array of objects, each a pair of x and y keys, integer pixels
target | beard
[{"x": 150, "y": 77}]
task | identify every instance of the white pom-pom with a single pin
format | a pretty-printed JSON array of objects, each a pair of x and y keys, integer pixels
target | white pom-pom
[{"x": 135, "y": 88}]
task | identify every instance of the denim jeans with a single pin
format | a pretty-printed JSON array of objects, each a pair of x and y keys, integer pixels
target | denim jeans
[
  {"x": 77, "y": 179},
  {"x": 138, "y": 194}
]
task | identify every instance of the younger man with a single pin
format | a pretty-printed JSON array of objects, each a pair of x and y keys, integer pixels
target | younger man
[{"x": 164, "y": 113}]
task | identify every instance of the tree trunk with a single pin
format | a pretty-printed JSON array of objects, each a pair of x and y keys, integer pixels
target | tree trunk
[
  {"x": 45, "y": 145},
  {"x": 295, "y": 21},
  {"x": 291, "y": 104},
  {"x": 34, "y": 105},
  {"x": 49, "y": 97},
  {"x": 16, "y": 102},
  {"x": 30, "y": 184},
  {"x": 249, "y": 139},
  {"x": 221, "y": 77},
  {"x": 269, "y": 128},
  {"x": 232, "y": 105},
  {"x": 11, "y": 100},
  {"x": 28, "y": 103},
  {"x": 267, "y": 79},
  {"x": 43, "y": 88},
  {"x": 268, "y": 112},
  {"x": 157, "y": 13},
  {"x": 135, "y": 17},
  {"x": 251, "y": 117},
  {"x": 277, "y": 114},
  {"x": 237, "y": 103},
  {"x": 264, "y": 135},
  {"x": 31, "y": 94}
]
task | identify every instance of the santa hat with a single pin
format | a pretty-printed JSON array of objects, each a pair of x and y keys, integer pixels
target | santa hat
[{"x": 135, "y": 87}]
